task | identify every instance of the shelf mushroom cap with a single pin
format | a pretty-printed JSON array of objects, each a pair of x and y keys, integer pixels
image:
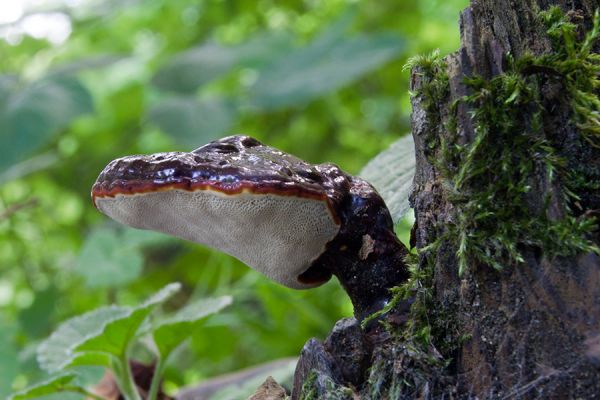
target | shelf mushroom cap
[{"x": 269, "y": 209}]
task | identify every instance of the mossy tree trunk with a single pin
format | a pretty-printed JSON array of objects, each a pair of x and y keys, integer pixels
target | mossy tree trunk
[
  {"x": 527, "y": 328},
  {"x": 507, "y": 192}
]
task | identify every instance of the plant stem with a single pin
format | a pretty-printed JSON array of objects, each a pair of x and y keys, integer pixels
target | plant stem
[
  {"x": 125, "y": 379},
  {"x": 156, "y": 379},
  {"x": 80, "y": 390}
]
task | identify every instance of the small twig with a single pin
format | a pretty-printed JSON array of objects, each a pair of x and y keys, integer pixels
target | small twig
[{"x": 14, "y": 208}]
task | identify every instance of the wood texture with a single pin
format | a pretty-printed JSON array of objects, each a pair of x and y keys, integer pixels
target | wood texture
[{"x": 531, "y": 328}]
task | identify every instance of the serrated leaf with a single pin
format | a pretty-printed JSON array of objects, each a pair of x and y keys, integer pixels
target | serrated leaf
[
  {"x": 392, "y": 172},
  {"x": 329, "y": 62},
  {"x": 117, "y": 335},
  {"x": 191, "y": 121},
  {"x": 171, "y": 332},
  {"x": 55, "y": 384},
  {"x": 30, "y": 118},
  {"x": 56, "y": 352}
]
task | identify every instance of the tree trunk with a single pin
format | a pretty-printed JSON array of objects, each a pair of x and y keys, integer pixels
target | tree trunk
[{"x": 506, "y": 190}]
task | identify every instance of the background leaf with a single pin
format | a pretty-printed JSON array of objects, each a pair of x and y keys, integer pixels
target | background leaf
[
  {"x": 31, "y": 117},
  {"x": 112, "y": 258},
  {"x": 193, "y": 122},
  {"x": 106, "y": 261},
  {"x": 9, "y": 365},
  {"x": 329, "y": 62},
  {"x": 104, "y": 330},
  {"x": 35, "y": 319},
  {"x": 283, "y": 375},
  {"x": 392, "y": 172},
  {"x": 185, "y": 72}
]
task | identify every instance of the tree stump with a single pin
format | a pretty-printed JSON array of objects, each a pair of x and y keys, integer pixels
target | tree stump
[{"x": 507, "y": 189}]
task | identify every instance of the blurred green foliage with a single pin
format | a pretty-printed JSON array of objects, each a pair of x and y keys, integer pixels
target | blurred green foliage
[{"x": 320, "y": 79}]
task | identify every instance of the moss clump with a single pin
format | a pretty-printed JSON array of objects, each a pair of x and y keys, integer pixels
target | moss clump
[
  {"x": 418, "y": 286},
  {"x": 489, "y": 180},
  {"x": 309, "y": 391},
  {"x": 415, "y": 362},
  {"x": 312, "y": 389},
  {"x": 404, "y": 372},
  {"x": 511, "y": 155},
  {"x": 578, "y": 68},
  {"x": 433, "y": 89}
]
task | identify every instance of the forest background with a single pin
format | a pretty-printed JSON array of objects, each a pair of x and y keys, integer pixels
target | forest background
[{"x": 84, "y": 81}]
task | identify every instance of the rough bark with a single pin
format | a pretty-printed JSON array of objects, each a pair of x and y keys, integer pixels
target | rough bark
[
  {"x": 528, "y": 324},
  {"x": 530, "y": 330}
]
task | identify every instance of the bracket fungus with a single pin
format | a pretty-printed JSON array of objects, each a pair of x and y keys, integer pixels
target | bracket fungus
[{"x": 297, "y": 223}]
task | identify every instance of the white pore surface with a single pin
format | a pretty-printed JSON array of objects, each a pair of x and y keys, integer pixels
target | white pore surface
[{"x": 279, "y": 236}]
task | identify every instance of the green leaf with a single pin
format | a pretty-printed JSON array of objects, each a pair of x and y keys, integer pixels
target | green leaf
[
  {"x": 8, "y": 84},
  {"x": 329, "y": 62},
  {"x": 391, "y": 172},
  {"x": 60, "y": 383},
  {"x": 106, "y": 261},
  {"x": 192, "y": 122},
  {"x": 141, "y": 238},
  {"x": 187, "y": 71},
  {"x": 56, "y": 352},
  {"x": 9, "y": 364},
  {"x": 35, "y": 320},
  {"x": 29, "y": 166},
  {"x": 171, "y": 332},
  {"x": 30, "y": 118},
  {"x": 106, "y": 330},
  {"x": 91, "y": 359},
  {"x": 116, "y": 335},
  {"x": 112, "y": 258}
]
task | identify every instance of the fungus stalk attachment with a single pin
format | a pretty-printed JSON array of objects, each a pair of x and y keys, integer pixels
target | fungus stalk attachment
[{"x": 295, "y": 222}]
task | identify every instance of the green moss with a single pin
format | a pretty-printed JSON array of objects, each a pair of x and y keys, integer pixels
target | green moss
[
  {"x": 491, "y": 184},
  {"x": 414, "y": 361},
  {"x": 489, "y": 179},
  {"x": 309, "y": 392},
  {"x": 418, "y": 286},
  {"x": 402, "y": 369},
  {"x": 333, "y": 390},
  {"x": 433, "y": 89},
  {"x": 579, "y": 68}
]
